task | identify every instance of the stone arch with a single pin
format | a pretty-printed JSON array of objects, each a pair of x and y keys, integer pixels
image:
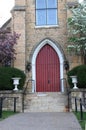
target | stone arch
[{"x": 60, "y": 54}]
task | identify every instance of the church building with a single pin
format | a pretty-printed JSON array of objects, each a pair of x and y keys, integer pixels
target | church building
[{"x": 42, "y": 47}]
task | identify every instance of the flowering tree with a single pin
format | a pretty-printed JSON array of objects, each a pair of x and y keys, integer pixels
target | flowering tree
[
  {"x": 7, "y": 42},
  {"x": 77, "y": 31}
]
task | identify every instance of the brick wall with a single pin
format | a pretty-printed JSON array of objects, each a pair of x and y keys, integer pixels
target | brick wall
[
  {"x": 23, "y": 22},
  {"x": 35, "y": 34},
  {"x": 18, "y": 25}
]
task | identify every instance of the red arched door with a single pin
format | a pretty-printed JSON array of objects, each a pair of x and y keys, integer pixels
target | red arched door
[{"x": 47, "y": 70}]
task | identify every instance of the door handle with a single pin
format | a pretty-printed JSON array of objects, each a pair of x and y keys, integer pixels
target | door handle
[{"x": 48, "y": 81}]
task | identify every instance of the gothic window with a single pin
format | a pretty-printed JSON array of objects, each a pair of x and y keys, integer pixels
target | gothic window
[{"x": 46, "y": 12}]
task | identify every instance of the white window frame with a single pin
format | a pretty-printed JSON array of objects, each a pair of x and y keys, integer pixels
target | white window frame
[{"x": 49, "y": 25}]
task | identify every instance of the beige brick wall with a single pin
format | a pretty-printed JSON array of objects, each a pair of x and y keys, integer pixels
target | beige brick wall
[
  {"x": 8, "y": 102},
  {"x": 72, "y": 0},
  {"x": 18, "y": 25},
  {"x": 31, "y": 35},
  {"x": 20, "y": 2},
  {"x": 35, "y": 34}
]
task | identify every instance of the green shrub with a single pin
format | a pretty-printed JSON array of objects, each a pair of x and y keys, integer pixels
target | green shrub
[
  {"x": 6, "y": 75},
  {"x": 80, "y": 72}
]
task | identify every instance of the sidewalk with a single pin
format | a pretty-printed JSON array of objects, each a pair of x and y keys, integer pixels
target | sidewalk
[{"x": 41, "y": 121}]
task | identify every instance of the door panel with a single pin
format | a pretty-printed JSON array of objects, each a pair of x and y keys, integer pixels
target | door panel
[{"x": 47, "y": 70}]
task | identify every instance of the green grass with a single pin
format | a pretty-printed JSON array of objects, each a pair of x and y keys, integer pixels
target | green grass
[
  {"x": 6, "y": 114},
  {"x": 82, "y": 122}
]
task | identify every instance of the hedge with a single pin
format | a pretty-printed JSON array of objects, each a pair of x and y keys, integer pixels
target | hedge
[
  {"x": 6, "y": 75},
  {"x": 80, "y": 72}
]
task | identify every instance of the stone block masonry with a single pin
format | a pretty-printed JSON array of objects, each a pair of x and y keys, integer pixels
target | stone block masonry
[{"x": 8, "y": 103}]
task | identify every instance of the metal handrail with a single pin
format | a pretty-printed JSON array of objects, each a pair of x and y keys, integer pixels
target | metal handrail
[
  {"x": 24, "y": 92},
  {"x": 67, "y": 91},
  {"x": 81, "y": 106},
  {"x": 2, "y": 98},
  {"x": 64, "y": 80}
]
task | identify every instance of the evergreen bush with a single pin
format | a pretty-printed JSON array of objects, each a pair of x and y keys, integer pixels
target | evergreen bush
[
  {"x": 80, "y": 72},
  {"x": 6, "y": 75}
]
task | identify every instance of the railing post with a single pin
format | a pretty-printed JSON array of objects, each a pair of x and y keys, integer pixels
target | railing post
[
  {"x": 68, "y": 102},
  {"x": 75, "y": 104},
  {"x": 69, "y": 92},
  {"x": 23, "y": 102},
  {"x": 14, "y": 104},
  {"x": 81, "y": 111},
  {"x": 1, "y": 102}
]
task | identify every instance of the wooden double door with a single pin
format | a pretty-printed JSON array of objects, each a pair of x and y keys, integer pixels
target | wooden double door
[{"x": 47, "y": 70}]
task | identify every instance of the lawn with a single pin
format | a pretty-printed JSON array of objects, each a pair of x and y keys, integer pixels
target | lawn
[
  {"x": 6, "y": 114},
  {"x": 82, "y": 122}
]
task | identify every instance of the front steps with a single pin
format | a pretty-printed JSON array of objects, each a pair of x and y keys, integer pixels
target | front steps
[{"x": 45, "y": 102}]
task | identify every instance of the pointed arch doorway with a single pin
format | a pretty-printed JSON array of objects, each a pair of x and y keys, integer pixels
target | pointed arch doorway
[
  {"x": 53, "y": 72},
  {"x": 47, "y": 70}
]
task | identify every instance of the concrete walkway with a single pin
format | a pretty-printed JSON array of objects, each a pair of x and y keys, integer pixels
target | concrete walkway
[{"x": 41, "y": 121}]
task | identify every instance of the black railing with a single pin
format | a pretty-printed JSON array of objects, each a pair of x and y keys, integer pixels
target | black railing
[
  {"x": 79, "y": 106},
  {"x": 2, "y": 100},
  {"x": 69, "y": 98},
  {"x": 23, "y": 96},
  {"x": 68, "y": 91},
  {"x": 24, "y": 92}
]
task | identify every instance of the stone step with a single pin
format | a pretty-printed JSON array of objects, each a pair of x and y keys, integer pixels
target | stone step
[{"x": 45, "y": 102}]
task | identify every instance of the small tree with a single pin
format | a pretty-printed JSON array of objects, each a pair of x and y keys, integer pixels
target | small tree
[
  {"x": 77, "y": 30},
  {"x": 7, "y": 42}
]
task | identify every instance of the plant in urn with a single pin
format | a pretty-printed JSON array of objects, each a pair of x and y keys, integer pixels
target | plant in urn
[
  {"x": 74, "y": 81},
  {"x": 16, "y": 82}
]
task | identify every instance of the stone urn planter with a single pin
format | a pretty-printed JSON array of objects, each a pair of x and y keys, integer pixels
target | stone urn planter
[
  {"x": 74, "y": 81},
  {"x": 16, "y": 83}
]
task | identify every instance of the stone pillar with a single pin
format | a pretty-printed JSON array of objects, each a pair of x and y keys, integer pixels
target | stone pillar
[{"x": 18, "y": 25}]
